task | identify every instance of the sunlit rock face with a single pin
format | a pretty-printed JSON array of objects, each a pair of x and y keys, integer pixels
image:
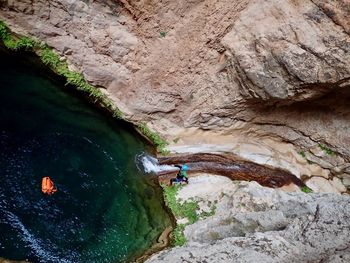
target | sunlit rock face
[
  {"x": 253, "y": 222},
  {"x": 205, "y": 65},
  {"x": 290, "y": 51},
  {"x": 209, "y": 65},
  {"x": 267, "y": 72}
]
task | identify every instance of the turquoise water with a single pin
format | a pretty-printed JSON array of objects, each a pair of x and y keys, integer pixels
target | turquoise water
[{"x": 105, "y": 210}]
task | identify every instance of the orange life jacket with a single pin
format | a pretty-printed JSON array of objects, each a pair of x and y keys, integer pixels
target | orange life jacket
[{"x": 47, "y": 186}]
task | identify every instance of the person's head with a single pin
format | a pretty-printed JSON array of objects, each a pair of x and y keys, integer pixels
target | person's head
[{"x": 185, "y": 167}]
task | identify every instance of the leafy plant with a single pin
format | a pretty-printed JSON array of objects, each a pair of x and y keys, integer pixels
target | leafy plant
[
  {"x": 302, "y": 154},
  {"x": 4, "y": 31},
  {"x": 178, "y": 236},
  {"x": 116, "y": 112},
  {"x": 306, "y": 189},
  {"x": 170, "y": 198},
  {"x": 326, "y": 149},
  {"x": 163, "y": 151},
  {"x": 162, "y": 34},
  {"x": 50, "y": 58},
  {"x": 10, "y": 43},
  {"x": 187, "y": 209},
  {"x": 154, "y": 138},
  {"x": 77, "y": 79},
  {"x": 25, "y": 43}
]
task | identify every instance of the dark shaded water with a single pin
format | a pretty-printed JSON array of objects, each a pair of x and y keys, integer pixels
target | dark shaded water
[{"x": 105, "y": 209}]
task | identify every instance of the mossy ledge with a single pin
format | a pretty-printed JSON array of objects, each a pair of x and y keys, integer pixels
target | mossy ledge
[
  {"x": 188, "y": 210},
  {"x": 59, "y": 65},
  {"x": 15, "y": 42}
]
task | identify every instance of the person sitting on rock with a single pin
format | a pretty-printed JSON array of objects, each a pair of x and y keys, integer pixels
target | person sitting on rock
[{"x": 181, "y": 176}]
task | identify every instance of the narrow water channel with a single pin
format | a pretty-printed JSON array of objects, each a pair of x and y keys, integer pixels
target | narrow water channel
[{"x": 105, "y": 209}]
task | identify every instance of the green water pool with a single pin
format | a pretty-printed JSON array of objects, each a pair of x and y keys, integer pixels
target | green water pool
[{"x": 105, "y": 210}]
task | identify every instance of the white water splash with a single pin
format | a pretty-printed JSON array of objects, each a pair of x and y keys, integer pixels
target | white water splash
[{"x": 150, "y": 164}]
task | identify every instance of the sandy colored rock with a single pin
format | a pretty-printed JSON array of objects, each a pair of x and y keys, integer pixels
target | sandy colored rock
[
  {"x": 320, "y": 184},
  {"x": 253, "y": 222},
  {"x": 337, "y": 183},
  {"x": 292, "y": 40},
  {"x": 265, "y": 151},
  {"x": 346, "y": 182},
  {"x": 265, "y": 69},
  {"x": 265, "y": 80}
]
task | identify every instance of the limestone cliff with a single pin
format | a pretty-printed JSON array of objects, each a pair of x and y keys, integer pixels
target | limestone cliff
[
  {"x": 257, "y": 224},
  {"x": 265, "y": 80},
  {"x": 280, "y": 68},
  {"x": 277, "y": 69}
]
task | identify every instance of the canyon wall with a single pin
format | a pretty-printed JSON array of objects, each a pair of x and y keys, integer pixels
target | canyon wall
[
  {"x": 258, "y": 224},
  {"x": 260, "y": 79},
  {"x": 276, "y": 69}
]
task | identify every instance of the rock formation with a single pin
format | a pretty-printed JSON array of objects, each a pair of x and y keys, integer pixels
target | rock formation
[
  {"x": 257, "y": 224},
  {"x": 278, "y": 68},
  {"x": 263, "y": 80}
]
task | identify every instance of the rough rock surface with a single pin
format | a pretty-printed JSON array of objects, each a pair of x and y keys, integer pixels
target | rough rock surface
[
  {"x": 275, "y": 69},
  {"x": 244, "y": 76},
  {"x": 213, "y": 57},
  {"x": 253, "y": 222},
  {"x": 287, "y": 52}
]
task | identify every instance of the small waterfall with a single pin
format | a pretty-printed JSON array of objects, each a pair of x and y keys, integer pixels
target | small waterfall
[{"x": 149, "y": 164}]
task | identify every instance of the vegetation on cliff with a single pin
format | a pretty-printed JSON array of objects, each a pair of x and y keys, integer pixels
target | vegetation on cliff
[
  {"x": 154, "y": 138},
  {"x": 186, "y": 210},
  {"x": 60, "y": 66},
  {"x": 326, "y": 149},
  {"x": 306, "y": 189}
]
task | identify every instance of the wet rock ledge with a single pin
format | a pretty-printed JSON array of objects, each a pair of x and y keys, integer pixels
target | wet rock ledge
[{"x": 231, "y": 167}]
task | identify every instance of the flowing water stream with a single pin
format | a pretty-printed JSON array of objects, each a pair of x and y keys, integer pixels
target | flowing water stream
[
  {"x": 151, "y": 165},
  {"x": 105, "y": 210}
]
